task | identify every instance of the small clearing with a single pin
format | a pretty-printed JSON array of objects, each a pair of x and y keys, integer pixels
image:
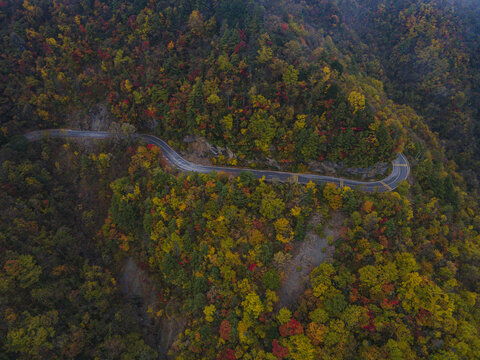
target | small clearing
[{"x": 306, "y": 256}]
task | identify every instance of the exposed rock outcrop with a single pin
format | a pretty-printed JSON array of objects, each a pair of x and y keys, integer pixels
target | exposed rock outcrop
[{"x": 330, "y": 167}]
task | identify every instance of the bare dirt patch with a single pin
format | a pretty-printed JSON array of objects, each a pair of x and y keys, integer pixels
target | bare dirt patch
[
  {"x": 198, "y": 151},
  {"x": 308, "y": 255},
  {"x": 137, "y": 288},
  {"x": 96, "y": 118}
]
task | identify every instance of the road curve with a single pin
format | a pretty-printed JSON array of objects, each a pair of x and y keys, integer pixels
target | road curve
[{"x": 400, "y": 168}]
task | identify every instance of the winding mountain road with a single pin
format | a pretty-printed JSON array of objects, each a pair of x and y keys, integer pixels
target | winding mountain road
[{"x": 400, "y": 171}]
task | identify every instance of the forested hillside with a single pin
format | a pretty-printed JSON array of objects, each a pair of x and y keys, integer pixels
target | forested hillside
[
  {"x": 107, "y": 251},
  {"x": 428, "y": 55},
  {"x": 261, "y": 83}
]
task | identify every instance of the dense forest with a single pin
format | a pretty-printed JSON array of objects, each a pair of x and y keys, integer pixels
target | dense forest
[
  {"x": 257, "y": 83},
  {"x": 107, "y": 251},
  {"x": 428, "y": 56}
]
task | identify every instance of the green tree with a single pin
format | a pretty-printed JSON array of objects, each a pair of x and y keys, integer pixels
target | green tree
[{"x": 271, "y": 207}]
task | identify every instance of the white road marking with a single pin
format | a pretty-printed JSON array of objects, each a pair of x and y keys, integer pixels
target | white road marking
[{"x": 173, "y": 157}]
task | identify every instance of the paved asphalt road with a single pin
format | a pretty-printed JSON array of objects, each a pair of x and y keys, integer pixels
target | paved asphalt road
[{"x": 401, "y": 168}]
